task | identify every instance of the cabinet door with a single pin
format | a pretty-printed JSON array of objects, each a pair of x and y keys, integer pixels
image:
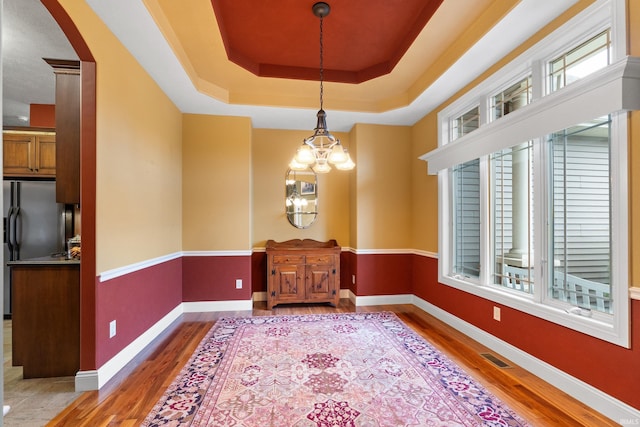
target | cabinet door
[
  {"x": 46, "y": 320},
  {"x": 29, "y": 155},
  {"x": 68, "y": 132},
  {"x": 320, "y": 280},
  {"x": 46, "y": 155},
  {"x": 288, "y": 285},
  {"x": 18, "y": 151}
]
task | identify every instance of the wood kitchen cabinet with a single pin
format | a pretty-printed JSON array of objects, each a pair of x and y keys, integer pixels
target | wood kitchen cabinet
[
  {"x": 29, "y": 154},
  {"x": 46, "y": 317},
  {"x": 67, "y": 130},
  {"x": 303, "y": 271}
]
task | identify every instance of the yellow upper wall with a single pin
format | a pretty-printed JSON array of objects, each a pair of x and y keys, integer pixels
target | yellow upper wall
[
  {"x": 383, "y": 187},
  {"x": 424, "y": 195},
  {"x": 216, "y": 170},
  {"x": 139, "y": 154}
]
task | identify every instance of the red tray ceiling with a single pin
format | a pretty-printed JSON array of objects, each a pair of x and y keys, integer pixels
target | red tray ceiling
[{"x": 362, "y": 39}]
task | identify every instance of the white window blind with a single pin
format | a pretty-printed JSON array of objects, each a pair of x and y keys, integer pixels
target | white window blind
[{"x": 466, "y": 229}]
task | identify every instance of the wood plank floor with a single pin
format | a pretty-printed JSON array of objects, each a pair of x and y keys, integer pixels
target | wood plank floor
[{"x": 129, "y": 397}]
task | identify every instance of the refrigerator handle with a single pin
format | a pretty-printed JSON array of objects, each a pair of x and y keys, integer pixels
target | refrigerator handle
[
  {"x": 17, "y": 223},
  {"x": 8, "y": 232}
]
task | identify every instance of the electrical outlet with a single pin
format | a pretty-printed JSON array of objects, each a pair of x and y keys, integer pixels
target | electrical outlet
[
  {"x": 353, "y": 279},
  {"x": 112, "y": 329},
  {"x": 238, "y": 283},
  {"x": 496, "y": 313}
]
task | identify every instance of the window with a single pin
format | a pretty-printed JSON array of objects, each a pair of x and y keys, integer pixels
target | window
[
  {"x": 547, "y": 237},
  {"x": 590, "y": 56},
  {"x": 466, "y": 198},
  {"x": 512, "y": 172},
  {"x": 465, "y": 123},
  {"x": 512, "y": 191},
  {"x": 580, "y": 196},
  {"x": 512, "y": 98},
  {"x": 466, "y": 229},
  {"x": 533, "y": 206}
]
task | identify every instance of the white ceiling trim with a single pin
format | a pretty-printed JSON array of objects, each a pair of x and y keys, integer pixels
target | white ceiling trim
[{"x": 132, "y": 24}]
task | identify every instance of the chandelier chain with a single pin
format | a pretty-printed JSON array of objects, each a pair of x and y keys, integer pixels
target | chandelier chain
[
  {"x": 321, "y": 62},
  {"x": 321, "y": 149}
]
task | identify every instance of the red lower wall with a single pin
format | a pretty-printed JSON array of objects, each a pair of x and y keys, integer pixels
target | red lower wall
[
  {"x": 383, "y": 274},
  {"x": 607, "y": 367},
  {"x": 213, "y": 278},
  {"x": 140, "y": 299},
  {"x": 259, "y": 272},
  {"x": 136, "y": 301},
  {"x": 347, "y": 270}
]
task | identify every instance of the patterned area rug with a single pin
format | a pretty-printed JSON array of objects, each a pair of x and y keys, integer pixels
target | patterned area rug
[{"x": 354, "y": 369}]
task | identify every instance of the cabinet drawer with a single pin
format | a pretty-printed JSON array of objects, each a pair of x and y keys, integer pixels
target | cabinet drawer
[
  {"x": 319, "y": 259},
  {"x": 288, "y": 259}
]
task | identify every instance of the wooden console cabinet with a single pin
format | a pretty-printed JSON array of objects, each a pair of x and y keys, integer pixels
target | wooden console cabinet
[{"x": 303, "y": 271}]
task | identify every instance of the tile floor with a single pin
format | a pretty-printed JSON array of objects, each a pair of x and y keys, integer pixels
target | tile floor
[{"x": 33, "y": 402}]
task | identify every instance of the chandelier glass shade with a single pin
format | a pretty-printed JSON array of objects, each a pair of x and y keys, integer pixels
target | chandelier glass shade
[{"x": 322, "y": 149}]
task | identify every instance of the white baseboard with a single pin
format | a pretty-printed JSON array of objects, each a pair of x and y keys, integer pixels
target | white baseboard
[
  {"x": 609, "y": 406},
  {"x": 206, "y": 306},
  {"x": 87, "y": 380},
  {"x": 384, "y": 299},
  {"x": 95, "y": 379}
]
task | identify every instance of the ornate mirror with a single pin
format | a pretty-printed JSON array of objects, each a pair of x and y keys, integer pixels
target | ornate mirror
[{"x": 301, "y": 197}]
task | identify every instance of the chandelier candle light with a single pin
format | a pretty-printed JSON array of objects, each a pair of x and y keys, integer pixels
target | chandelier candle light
[{"x": 321, "y": 148}]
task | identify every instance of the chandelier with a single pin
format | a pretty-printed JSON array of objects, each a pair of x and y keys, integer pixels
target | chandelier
[{"x": 322, "y": 148}]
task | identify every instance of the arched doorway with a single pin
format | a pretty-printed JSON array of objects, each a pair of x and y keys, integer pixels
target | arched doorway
[
  {"x": 35, "y": 12},
  {"x": 87, "y": 184}
]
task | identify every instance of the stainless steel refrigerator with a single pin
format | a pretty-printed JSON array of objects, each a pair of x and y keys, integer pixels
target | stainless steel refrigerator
[{"x": 33, "y": 225}]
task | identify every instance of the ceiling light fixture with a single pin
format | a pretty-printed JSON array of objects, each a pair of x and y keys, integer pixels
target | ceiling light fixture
[{"x": 321, "y": 148}]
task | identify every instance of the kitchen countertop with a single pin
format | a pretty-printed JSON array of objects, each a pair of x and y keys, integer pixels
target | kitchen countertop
[{"x": 45, "y": 260}]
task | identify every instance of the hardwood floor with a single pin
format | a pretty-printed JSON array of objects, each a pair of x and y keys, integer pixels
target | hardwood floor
[{"x": 129, "y": 397}]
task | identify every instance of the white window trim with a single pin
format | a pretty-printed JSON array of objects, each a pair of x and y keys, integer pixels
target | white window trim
[
  {"x": 621, "y": 79},
  {"x": 590, "y": 22},
  {"x": 609, "y": 90}
]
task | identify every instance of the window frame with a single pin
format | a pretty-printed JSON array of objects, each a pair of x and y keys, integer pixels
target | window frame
[
  {"x": 519, "y": 78},
  {"x": 612, "y": 328},
  {"x": 564, "y": 53}
]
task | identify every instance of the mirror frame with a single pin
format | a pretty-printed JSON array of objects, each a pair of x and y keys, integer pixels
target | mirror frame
[{"x": 301, "y": 195}]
